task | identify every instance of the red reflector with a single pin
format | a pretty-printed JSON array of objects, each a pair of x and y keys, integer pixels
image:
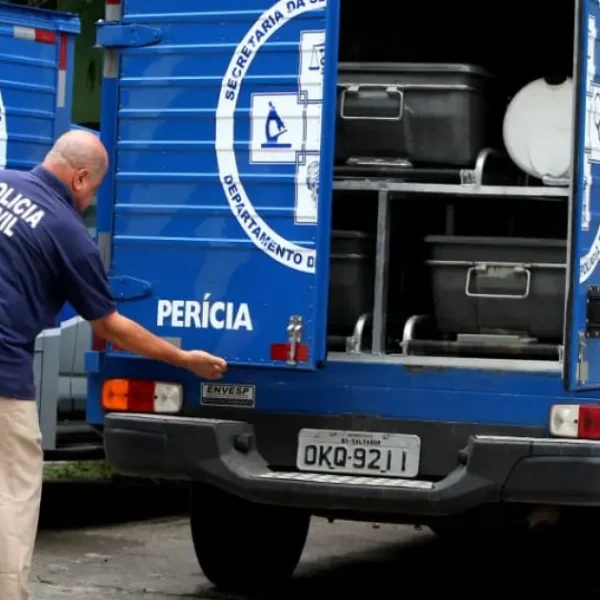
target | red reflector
[
  {"x": 141, "y": 396},
  {"x": 588, "y": 426},
  {"x": 282, "y": 352},
  {"x": 62, "y": 52},
  {"x": 44, "y": 36}
]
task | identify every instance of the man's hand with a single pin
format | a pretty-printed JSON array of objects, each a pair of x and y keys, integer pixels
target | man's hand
[
  {"x": 131, "y": 336},
  {"x": 204, "y": 364}
]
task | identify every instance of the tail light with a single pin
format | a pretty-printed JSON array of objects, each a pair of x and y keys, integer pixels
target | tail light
[
  {"x": 580, "y": 421},
  {"x": 134, "y": 395}
]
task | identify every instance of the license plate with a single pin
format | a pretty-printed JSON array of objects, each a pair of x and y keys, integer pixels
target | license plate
[{"x": 358, "y": 453}]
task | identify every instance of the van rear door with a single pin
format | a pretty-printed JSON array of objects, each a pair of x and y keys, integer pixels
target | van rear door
[
  {"x": 37, "y": 52},
  {"x": 214, "y": 220},
  {"x": 582, "y": 336}
]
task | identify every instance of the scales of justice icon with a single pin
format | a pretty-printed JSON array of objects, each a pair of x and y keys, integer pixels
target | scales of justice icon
[{"x": 317, "y": 59}]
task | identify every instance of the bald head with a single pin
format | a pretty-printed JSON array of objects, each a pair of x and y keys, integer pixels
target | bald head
[
  {"x": 79, "y": 150},
  {"x": 79, "y": 159}
]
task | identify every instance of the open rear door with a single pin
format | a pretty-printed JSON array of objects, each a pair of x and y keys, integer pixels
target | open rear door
[
  {"x": 582, "y": 339},
  {"x": 220, "y": 194}
]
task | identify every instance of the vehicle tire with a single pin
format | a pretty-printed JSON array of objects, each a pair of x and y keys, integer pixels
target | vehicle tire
[{"x": 242, "y": 546}]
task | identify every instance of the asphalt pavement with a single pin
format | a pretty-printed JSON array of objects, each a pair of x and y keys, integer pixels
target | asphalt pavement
[{"x": 89, "y": 548}]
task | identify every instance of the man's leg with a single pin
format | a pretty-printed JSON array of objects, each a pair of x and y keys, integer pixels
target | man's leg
[{"x": 21, "y": 473}]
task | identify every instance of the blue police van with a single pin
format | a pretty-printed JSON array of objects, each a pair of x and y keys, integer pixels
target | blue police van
[{"x": 389, "y": 225}]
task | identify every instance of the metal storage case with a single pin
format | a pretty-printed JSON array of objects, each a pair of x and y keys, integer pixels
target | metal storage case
[
  {"x": 352, "y": 279},
  {"x": 423, "y": 113},
  {"x": 498, "y": 285}
]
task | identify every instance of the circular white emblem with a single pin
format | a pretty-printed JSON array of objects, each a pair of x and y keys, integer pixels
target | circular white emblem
[
  {"x": 262, "y": 235},
  {"x": 3, "y": 134}
]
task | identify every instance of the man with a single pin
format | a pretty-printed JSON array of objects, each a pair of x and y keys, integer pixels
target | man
[{"x": 47, "y": 257}]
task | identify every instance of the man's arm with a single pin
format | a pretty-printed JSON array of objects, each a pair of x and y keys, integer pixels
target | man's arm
[
  {"x": 86, "y": 287},
  {"x": 131, "y": 336}
]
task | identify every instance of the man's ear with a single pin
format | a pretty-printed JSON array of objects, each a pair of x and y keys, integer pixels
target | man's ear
[{"x": 80, "y": 179}]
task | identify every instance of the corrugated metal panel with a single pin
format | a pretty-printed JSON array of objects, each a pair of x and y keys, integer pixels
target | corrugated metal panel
[{"x": 36, "y": 59}]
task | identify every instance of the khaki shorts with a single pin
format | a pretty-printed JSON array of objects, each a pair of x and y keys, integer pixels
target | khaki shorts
[{"x": 21, "y": 474}]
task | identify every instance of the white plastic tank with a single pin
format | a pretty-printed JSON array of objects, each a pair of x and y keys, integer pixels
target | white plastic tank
[{"x": 537, "y": 128}]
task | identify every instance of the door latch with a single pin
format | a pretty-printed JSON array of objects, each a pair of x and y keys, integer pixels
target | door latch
[
  {"x": 294, "y": 331},
  {"x": 582, "y": 364}
]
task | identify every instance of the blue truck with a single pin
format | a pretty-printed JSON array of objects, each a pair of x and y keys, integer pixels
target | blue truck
[{"x": 390, "y": 229}]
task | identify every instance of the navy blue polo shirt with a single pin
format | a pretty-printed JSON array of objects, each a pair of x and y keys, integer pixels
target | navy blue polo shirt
[{"x": 47, "y": 257}]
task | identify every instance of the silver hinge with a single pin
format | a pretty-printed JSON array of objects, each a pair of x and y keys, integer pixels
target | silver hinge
[{"x": 294, "y": 331}]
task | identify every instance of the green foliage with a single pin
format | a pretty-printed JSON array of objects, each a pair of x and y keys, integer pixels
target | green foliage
[
  {"x": 64, "y": 5},
  {"x": 35, "y": 3},
  {"x": 77, "y": 471}
]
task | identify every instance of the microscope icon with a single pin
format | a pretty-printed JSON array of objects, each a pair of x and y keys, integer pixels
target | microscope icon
[{"x": 272, "y": 137}]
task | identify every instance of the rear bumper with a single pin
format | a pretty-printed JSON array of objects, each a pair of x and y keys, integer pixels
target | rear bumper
[{"x": 223, "y": 453}]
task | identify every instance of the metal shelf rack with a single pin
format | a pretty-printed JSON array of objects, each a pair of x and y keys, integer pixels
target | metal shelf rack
[{"x": 389, "y": 190}]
